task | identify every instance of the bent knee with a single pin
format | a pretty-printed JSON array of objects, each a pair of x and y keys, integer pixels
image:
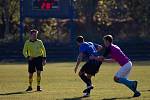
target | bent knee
[{"x": 116, "y": 79}]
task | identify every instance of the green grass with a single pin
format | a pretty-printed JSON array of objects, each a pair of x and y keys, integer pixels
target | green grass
[{"x": 59, "y": 82}]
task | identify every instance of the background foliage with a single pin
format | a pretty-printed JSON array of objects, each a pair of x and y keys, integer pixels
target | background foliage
[{"x": 124, "y": 19}]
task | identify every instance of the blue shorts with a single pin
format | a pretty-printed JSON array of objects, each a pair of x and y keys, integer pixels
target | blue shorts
[
  {"x": 35, "y": 64},
  {"x": 91, "y": 67}
]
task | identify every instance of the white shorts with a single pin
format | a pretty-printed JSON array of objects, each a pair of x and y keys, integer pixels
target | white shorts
[{"x": 124, "y": 70}]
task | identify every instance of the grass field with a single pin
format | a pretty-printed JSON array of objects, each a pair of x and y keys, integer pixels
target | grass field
[{"x": 59, "y": 82}]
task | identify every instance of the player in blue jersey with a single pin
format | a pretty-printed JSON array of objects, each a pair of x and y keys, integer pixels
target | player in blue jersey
[{"x": 91, "y": 67}]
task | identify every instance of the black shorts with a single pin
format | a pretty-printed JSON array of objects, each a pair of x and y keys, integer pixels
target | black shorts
[
  {"x": 35, "y": 65},
  {"x": 91, "y": 67}
]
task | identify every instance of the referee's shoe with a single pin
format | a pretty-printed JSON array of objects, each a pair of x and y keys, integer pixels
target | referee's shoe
[
  {"x": 39, "y": 88},
  {"x": 29, "y": 88}
]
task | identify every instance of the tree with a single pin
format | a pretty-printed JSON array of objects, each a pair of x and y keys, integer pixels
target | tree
[
  {"x": 6, "y": 15},
  {"x": 9, "y": 16}
]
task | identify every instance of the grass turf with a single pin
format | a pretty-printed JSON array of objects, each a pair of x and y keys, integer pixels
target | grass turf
[{"x": 59, "y": 82}]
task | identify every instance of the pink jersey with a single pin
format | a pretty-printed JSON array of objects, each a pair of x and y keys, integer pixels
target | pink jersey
[{"x": 116, "y": 53}]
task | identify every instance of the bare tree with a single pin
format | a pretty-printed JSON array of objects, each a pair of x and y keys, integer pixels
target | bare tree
[{"x": 6, "y": 15}]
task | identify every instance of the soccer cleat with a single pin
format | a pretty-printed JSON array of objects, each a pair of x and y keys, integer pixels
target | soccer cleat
[
  {"x": 86, "y": 94},
  {"x": 88, "y": 90},
  {"x": 29, "y": 88},
  {"x": 38, "y": 88},
  {"x": 137, "y": 94}
]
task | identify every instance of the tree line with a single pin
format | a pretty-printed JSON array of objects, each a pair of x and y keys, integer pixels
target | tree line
[{"x": 94, "y": 18}]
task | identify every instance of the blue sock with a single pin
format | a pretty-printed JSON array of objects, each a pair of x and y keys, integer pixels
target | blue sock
[{"x": 126, "y": 82}]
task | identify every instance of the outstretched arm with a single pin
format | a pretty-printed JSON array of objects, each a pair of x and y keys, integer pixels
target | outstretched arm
[
  {"x": 109, "y": 60},
  {"x": 99, "y": 58}
]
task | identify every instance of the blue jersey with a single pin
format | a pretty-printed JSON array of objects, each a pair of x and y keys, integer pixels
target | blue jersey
[{"x": 89, "y": 49}]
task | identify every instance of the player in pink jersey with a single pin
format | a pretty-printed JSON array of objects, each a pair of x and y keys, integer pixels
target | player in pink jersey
[{"x": 126, "y": 65}]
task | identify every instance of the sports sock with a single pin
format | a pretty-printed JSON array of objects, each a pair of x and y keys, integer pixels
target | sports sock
[
  {"x": 89, "y": 83},
  {"x": 127, "y": 82},
  {"x": 38, "y": 80},
  {"x": 86, "y": 80},
  {"x": 30, "y": 82}
]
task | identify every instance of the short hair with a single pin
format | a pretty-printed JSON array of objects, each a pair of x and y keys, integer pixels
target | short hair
[
  {"x": 108, "y": 38},
  {"x": 80, "y": 39},
  {"x": 34, "y": 31}
]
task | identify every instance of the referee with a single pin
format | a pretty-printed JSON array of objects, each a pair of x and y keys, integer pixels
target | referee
[{"x": 34, "y": 51}]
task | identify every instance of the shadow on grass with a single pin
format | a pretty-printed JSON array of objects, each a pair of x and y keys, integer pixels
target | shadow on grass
[
  {"x": 118, "y": 98},
  {"x": 145, "y": 90},
  {"x": 13, "y": 93},
  {"x": 75, "y": 98}
]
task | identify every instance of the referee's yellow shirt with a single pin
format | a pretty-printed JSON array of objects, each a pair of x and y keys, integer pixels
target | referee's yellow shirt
[{"x": 34, "y": 49}]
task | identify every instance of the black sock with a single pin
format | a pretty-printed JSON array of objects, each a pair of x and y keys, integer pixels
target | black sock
[
  {"x": 86, "y": 80},
  {"x": 89, "y": 82}
]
